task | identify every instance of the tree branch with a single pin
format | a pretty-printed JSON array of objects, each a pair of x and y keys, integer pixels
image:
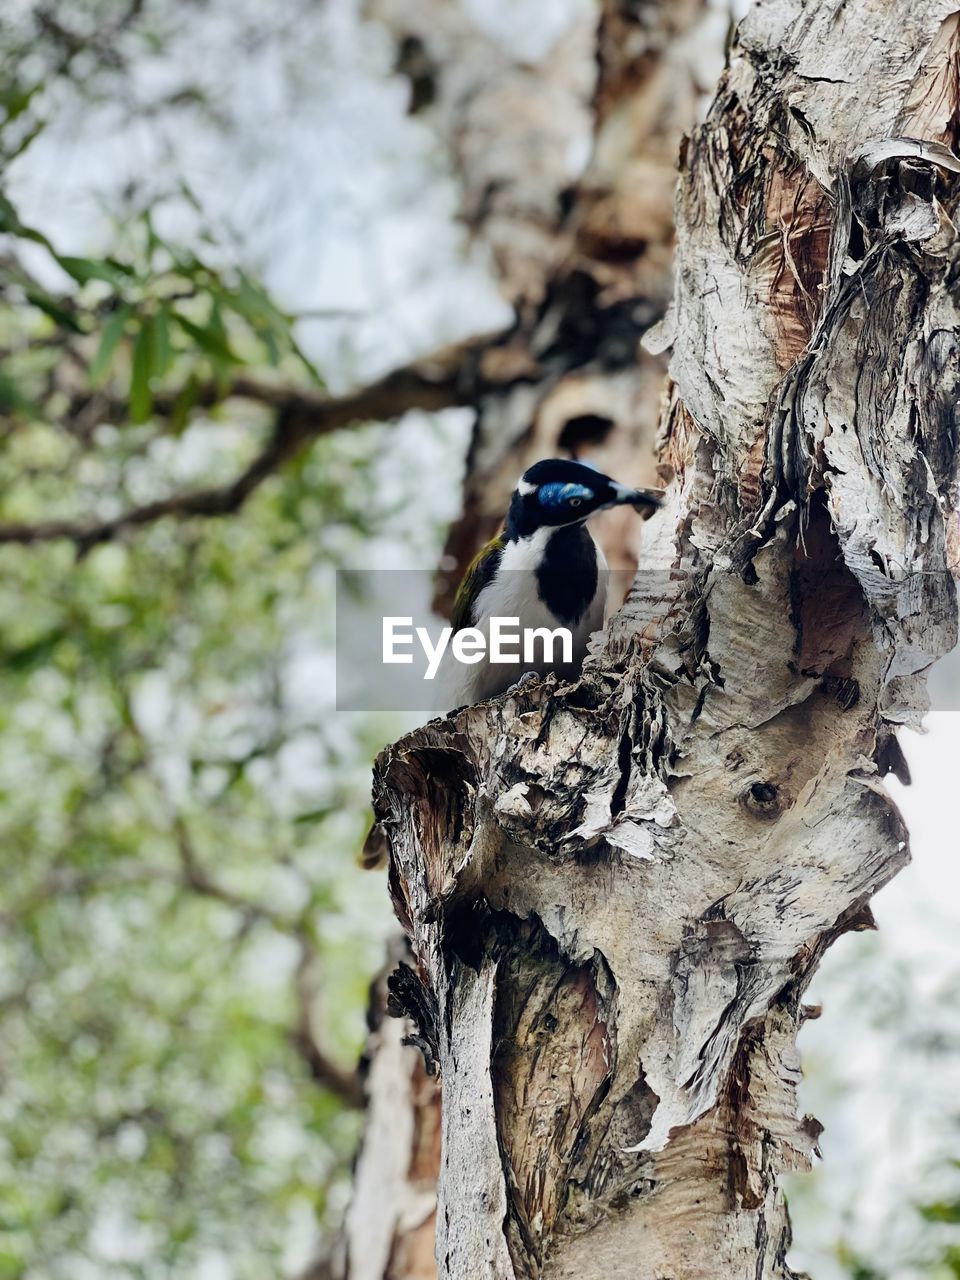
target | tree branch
[
  {"x": 346, "y": 1085},
  {"x": 444, "y": 380}
]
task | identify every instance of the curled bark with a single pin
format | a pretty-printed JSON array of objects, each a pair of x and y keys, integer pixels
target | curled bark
[{"x": 617, "y": 892}]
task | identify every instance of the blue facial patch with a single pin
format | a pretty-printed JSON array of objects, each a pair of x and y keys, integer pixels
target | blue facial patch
[{"x": 557, "y": 494}]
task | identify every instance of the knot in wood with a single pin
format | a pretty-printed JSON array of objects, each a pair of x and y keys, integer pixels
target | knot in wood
[{"x": 763, "y": 800}]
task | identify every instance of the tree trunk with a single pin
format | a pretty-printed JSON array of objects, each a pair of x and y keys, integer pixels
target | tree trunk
[
  {"x": 570, "y": 378},
  {"x": 390, "y": 1230},
  {"x": 584, "y": 257},
  {"x": 588, "y": 269},
  {"x": 616, "y": 893},
  {"x": 515, "y": 132}
]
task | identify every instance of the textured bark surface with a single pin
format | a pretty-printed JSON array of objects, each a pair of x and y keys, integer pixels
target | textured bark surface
[
  {"x": 588, "y": 268},
  {"x": 516, "y": 133},
  {"x": 617, "y": 892},
  {"x": 584, "y": 253},
  {"x": 390, "y": 1229}
]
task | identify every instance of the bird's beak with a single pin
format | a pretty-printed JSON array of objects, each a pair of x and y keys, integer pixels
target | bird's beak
[{"x": 645, "y": 501}]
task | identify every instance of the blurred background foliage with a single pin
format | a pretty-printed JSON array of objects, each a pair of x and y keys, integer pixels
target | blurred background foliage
[
  {"x": 204, "y": 204},
  {"x": 185, "y": 938}
]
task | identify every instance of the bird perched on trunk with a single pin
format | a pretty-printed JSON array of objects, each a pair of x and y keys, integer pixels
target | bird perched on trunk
[{"x": 544, "y": 569}]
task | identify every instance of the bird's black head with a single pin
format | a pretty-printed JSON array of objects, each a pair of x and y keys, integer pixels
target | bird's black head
[{"x": 558, "y": 492}]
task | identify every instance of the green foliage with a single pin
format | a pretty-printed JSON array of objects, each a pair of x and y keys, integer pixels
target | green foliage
[
  {"x": 153, "y": 315},
  {"x": 942, "y": 1211},
  {"x": 153, "y": 723},
  {"x": 180, "y": 812},
  {"x": 884, "y": 1204}
]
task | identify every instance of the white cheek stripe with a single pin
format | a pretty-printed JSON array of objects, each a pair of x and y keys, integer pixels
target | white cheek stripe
[{"x": 621, "y": 490}]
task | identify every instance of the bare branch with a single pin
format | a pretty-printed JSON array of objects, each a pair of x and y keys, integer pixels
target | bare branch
[
  {"x": 101, "y": 41},
  {"x": 196, "y": 877},
  {"x": 445, "y": 380},
  {"x": 346, "y": 1085}
]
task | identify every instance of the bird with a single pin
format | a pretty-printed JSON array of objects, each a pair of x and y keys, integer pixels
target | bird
[{"x": 543, "y": 568}]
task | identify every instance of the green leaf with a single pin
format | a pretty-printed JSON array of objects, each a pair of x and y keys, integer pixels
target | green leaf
[
  {"x": 314, "y": 815},
  {"x": 113, "y": 330},
  {"x": 141, "y": 395},
  {"x": 307, "y": 363},
  {"x": 55, "y": 310},
  {"x": 10, "y": 222},
  {"x": 26, "y": 140},
  {"x": 33, "y": 655},
  {"x": 15, "y": 98},
  {"x": 273, "y": 327},
  {"x": 942, "y": 1211},
  {"x": 268, "y": 338},
  {"x": 210, "y": 342},
  {"x": 215, "y": 324},
  {"x": 85, "y": 269},
  {"x": 153, "y": 240},
  {"x": 11, "y": 397},
  {"x": 162, "y": 351},
  {"x": 182, "y": 405},
  {"x": 9, "y": 218},
  {"x": 254, "y": 304}
]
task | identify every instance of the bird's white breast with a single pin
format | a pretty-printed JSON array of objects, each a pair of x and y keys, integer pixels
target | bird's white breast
[{"x": 513, "y": 593}]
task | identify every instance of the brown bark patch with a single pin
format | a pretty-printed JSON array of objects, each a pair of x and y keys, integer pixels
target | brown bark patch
[
  {"x": 466, "y": 536},
  {"x": 932, "y": 108},
  {"x": 622, "y": 224},
  {"x": 680, "y": 449},
  {"x": 629, "y": 46},
  {"x": 439, "y": 785},
  {"x": 412, "y": 1256},
  {"x": 751, "y": 473},
  {"x": 791, "y": 260},
  {"x": 759, "y": 1111},
  {"x": 828, "y": 603},
  {"x": 551, "y": 1063}
]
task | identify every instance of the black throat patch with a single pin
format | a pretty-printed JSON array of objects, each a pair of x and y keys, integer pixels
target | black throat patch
[{"x": 567, "y": 575}]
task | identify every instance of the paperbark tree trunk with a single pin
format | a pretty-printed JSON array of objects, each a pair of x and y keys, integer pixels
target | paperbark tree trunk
[
  {"x": 587, "y": 265},
  {"x": 617, "y": 892},
  {"x": 516, "y": 133},
  {"x": 570, "y": 378},
  {"x": 583, "y": 252}
]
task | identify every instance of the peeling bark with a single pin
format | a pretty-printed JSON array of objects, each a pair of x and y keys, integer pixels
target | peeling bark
[
  {"x": 617, "y": 891},
  {"x": 589, "y": 272},
  {"x": 390, "y": 1231},
  {"x": 516, "y": 133}
]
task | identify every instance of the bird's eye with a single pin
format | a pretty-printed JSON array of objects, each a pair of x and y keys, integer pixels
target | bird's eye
[{"x": 575, "y": 502}]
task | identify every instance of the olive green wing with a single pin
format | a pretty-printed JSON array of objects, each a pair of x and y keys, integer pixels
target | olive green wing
[{"x": 481, "y": 570}]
